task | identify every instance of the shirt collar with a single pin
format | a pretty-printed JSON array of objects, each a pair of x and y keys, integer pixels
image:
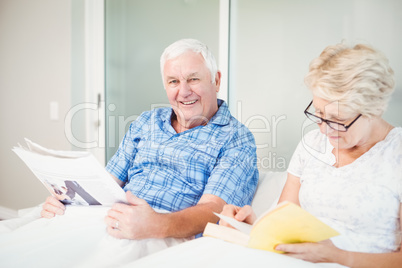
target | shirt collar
[{"x": 221, "y": 117}]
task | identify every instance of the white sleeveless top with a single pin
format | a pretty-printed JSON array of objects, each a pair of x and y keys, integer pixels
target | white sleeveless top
[{"x": 361, "y": 200}]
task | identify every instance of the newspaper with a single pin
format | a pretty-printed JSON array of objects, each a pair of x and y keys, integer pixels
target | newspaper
[{"x": 75, "y": 178}]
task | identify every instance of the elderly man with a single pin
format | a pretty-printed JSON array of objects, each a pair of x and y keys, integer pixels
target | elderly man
[{"x": 190, "y": 159}]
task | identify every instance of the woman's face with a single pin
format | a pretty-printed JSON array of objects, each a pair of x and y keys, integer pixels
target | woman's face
[{"x": 356, "y": 135}]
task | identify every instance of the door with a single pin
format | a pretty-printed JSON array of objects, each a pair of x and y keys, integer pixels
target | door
[{"x": 136, "y": 33}]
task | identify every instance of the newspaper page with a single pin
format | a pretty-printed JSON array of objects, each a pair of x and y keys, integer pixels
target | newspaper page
[{"x": 75, "y": 178}]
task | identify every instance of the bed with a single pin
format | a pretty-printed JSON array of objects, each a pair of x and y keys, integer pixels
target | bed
[{"x": 79, "y": 239}]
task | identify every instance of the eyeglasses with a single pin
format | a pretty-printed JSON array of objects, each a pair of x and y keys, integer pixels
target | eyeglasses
[{"x": 334, "y": 125}]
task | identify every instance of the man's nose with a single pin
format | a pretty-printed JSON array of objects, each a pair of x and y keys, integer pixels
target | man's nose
[{"x": 185, "y": 89}]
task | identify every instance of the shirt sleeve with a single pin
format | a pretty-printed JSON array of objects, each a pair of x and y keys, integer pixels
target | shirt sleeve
[
  {"x": 313, "y": 144},
  {"x": 398, "y": 163},
  {"x": 235, "y": 175},
  {"x": 122, "y": 160},
  {"x": 296, "y": 162}
]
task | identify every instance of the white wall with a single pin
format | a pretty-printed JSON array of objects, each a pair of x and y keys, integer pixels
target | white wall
[
  {"x": 272, "y": 44},
  {"x": 34, "y": 71}
]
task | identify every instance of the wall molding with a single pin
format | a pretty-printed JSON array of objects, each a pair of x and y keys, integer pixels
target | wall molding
[
  {"x": 224, "y": 21},
  {"x": 95, "y": 76}
]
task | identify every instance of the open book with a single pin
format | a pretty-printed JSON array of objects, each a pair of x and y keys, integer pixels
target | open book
[
  {"x": 286, "y": 223},
  {"x": 75, "y": 178}
]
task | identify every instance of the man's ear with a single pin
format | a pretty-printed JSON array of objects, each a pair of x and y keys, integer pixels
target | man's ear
[{"x": 218, "y": 77}]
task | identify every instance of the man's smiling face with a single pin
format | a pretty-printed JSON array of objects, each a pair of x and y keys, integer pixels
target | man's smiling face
[{"x": 191, "y": 93}]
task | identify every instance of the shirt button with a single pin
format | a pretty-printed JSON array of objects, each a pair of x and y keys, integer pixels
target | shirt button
[
  {"x": 147, "y": 186},
  {"x": 160, "y": 152}
]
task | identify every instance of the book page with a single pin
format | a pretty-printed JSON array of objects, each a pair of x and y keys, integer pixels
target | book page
[
  {"x": 271, "y": 210},
  {"x": 284, "y": 224},
  {"x": 241, "y": 226},
  {"x": 36, "y": 148},
  {"x": 288, "y": 224},
  {"x": 226, "y": 233},
  {"x": 79, "y": 180}
]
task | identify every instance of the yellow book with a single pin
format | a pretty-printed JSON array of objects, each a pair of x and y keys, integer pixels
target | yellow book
[{"x": 285, "y": 224}]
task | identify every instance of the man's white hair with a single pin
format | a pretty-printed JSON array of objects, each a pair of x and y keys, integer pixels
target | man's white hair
[{"x": 184, "y": 45}]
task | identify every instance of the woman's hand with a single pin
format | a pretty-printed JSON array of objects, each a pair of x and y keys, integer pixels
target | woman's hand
[
  {"x": 244, "y": 214},
  {"x": 324, "y": 251},
  {"x": 52, "y": 207}
]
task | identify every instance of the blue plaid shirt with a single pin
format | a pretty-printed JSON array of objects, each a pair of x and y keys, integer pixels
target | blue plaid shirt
[{"x": 171, "y": 171}]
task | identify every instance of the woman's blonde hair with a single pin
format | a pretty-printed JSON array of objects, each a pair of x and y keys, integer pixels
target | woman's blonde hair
[{"x": 358, "y": 77}]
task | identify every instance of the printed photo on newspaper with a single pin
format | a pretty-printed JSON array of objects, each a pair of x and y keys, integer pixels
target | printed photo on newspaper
[{"x": 73, "y": 177}]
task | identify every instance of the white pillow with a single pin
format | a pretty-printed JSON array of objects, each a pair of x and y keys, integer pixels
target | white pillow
[{"x": 269, "y": 189}]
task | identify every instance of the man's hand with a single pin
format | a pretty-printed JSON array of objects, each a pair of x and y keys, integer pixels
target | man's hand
[
  {"x": 134, "y": 221},
  {"x": 244, "y": 214},
  {"x": 52, "y": 207}
]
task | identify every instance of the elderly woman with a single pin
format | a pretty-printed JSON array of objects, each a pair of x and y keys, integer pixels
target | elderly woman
[{"x": 349, "y": 172}]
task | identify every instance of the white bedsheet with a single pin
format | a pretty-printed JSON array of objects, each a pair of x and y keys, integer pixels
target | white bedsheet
[
  {"x": 79, "y": 239},
  {"x": 76, "y": 239},
  {"x": 210, "y": 252}
]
